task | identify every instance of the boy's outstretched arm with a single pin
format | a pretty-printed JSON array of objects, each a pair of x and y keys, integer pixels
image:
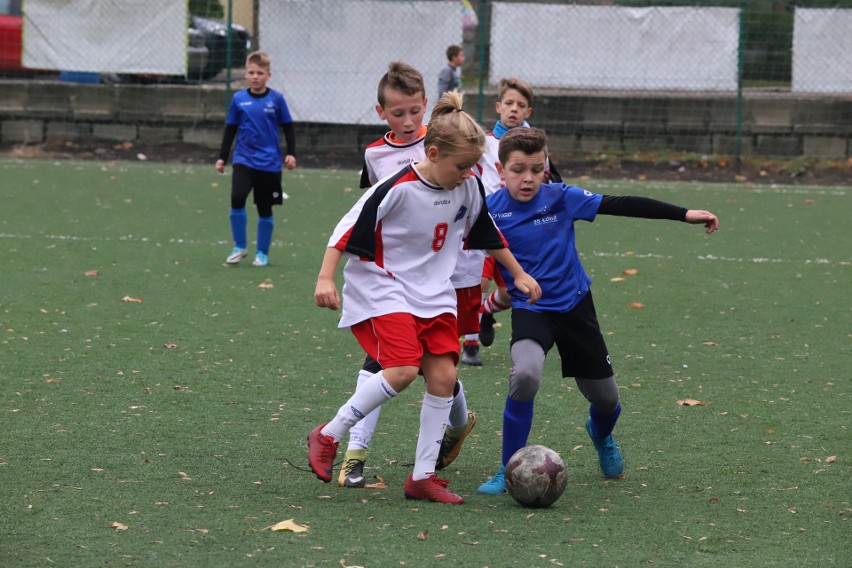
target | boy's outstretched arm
[
  {"x": 647, "y": 208},
  {"x": 702, "y": 217},
  {"x": 523, "y": 281},
  {"x": 325, "y": 295}
]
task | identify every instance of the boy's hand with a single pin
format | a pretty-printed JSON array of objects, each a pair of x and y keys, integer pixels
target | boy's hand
[
  {"x": 220, "y": 166},
  {"x": 527, "y": 284},
  {"x": 326, "y": 295},
  {"x": 289, "y": 162},
  {"x": 701, "y": 217}
]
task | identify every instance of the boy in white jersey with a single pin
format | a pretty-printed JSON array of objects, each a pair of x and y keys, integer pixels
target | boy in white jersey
[
  {"x": 538, "y": 221},
  {"x": 401, "y": 239},
  {"x": 513, "y": 107},
  {"x": 401, "y": 103}
]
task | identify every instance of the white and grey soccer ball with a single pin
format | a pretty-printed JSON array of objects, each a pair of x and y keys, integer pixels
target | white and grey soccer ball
[{"x": 536, "y": 476}]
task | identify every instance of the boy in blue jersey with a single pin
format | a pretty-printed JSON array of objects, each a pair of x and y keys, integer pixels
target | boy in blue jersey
[
  {"x": 253, "y": 119},
  {"x": 537, "y": 219}
]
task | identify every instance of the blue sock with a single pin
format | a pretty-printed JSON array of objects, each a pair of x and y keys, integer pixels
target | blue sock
[
  {"x": 603, "y": 424},
  {"x": 265, "y": 225},
  {"x": 517, "y": 423},
  {"x": 238, "y": 227}
]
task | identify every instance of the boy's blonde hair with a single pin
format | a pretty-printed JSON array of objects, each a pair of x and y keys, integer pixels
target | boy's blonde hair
[
  {"x": 517, "y": 84},
  {"x": 259, "y": 58},
  {"x": 401, "y": 77},
  {"x": 451, "y": 129},
  {"x": 529, "y": 141}
]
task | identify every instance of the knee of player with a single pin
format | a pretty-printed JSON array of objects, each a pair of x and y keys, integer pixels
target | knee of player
[{"x": 524, "y": 383}]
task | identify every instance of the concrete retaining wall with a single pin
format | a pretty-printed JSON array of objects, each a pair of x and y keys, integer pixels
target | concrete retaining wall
[{"x": 774, "y": 124}]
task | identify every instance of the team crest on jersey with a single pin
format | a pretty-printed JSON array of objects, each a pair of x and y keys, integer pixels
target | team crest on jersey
[
  {"x": 462, "y": 212},
  {"x": 587, "y": 193}
]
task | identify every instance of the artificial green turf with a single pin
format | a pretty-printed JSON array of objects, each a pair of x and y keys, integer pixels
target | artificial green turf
[{"x": 183, "y": 417}]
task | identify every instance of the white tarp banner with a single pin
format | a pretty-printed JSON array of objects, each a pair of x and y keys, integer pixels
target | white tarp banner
[
  {"x": 822, "y": 51},
  {"x": 102, "y": 36},
  {"x": 328, "y": 55},
  {"x": 609, "y": 47}
]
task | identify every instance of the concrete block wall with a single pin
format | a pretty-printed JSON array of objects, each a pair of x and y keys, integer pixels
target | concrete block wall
[{"x": 773, "y": 124}]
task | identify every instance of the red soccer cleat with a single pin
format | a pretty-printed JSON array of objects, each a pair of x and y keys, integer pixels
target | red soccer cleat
[
  {"x": 322, "y": 450},
  {"x": 431, "y": 489}
]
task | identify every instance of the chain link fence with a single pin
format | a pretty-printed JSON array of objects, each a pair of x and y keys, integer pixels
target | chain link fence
[{"x": 762, "y": 77}]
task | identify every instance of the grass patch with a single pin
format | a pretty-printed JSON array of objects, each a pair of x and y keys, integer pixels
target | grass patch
[{"x": 183, "y": 417}]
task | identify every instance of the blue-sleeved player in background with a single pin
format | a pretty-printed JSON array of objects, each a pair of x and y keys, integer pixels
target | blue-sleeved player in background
[
  {"x": 254, "y": 117},
  {"x": 537, "y": 220}
]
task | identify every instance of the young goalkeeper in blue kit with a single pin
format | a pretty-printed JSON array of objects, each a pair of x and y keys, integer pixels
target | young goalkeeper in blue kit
[{"x": 537, "y": 220}]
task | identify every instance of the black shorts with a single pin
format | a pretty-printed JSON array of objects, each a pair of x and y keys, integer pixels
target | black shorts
[
  {"x": 576, "y": 334},
  {"x": 266, "y": 185}
]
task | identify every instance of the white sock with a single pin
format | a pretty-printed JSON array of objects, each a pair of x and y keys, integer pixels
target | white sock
[
  {"x": 373, "y": 393},
  {"x": 433, "y": 421},
  {"x": 361, "y": 433},
  {"x": 471, "y": 337},
  {"x": 458, "y": 412}
]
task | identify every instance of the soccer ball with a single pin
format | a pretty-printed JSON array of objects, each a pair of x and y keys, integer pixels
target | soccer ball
[{"x": 536, "y": 476}]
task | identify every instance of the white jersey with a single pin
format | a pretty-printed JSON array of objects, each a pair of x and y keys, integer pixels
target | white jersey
[
  {"x": 386, "y": 156},
  {"x": 402, "y": 239},
  {"x": 491, "y": 178},
  {"x": 469, "y": 264}
]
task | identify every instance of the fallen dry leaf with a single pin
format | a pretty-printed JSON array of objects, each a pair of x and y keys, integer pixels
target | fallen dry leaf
[
  {"x": 118, "y": 526},
  {"x": 809, "y": 201},
  {"x": 170, "y": 345},
  {"x": 266, "y": 284},
  {"x": 691, "y": 402},
  {"x": 637, "y": 306},
  {"x": 630, "y": 272},
  {"x": 133, "y": 300},
  {"x": 184, "y": 476},
  {"x": 617, "y": 279},
  {"x": 376, "y": 486},
  {"x": 288, "y": 525},
  {"x": 710, "y": 343},
  {"x": 90, "y": 273},
  {"x": 831, "y": 459},
  {"x": 423, "y": 536}
]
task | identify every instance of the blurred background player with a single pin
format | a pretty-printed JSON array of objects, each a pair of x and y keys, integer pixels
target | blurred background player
[
  {"x": 401, "y": 103},
  {"x": 398, "y": 298},
  {"x": 254, "y": 117},
  {"x": 449, "y": 78},
  {"x": 537, "y": 219},
  {"x": 513, "y": 107}
]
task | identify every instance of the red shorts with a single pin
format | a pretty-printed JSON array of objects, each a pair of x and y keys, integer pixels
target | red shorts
[
  {"x": 469, "y": 300},
  {"x": 400, "y": 339},
  {"x": 490, "y": 271}
]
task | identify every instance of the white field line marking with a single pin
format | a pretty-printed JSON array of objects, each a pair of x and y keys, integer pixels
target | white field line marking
[
  {"x": 708, "y": 257},
  {"x": 741, "y": 260}
]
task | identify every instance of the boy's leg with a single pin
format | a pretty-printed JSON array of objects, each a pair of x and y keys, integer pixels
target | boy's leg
[
  {"x": 440, "y": 374},
  {"x": 360, "y": 435},
  {"x": 241, "y": 185},
  {"x": 323, "y": 440},
  {"x": 524, "y": 381},
  {"x": 460, "y": 425},
  {"x": 604, "y": 410}
]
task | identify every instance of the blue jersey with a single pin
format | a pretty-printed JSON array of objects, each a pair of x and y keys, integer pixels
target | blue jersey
[
  {"x": 258, "y": 119},
  {"x": 541, "y": 237}
]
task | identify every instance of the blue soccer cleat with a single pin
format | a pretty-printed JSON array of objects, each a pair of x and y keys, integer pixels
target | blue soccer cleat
[
  {"x": 496, "y": 485},
  {"x": 260, "y": 259},
  {"x": 609, "y": 456}
]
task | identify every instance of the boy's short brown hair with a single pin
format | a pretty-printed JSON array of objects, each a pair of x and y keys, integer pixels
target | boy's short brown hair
[
  {"x": 453, "y": 50},
  {"x": 527, "y": 140},
  {"x": 401, "y": 77},
  {"x": 518, "y": 85},
  {"x": 259, "y": 58}
]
